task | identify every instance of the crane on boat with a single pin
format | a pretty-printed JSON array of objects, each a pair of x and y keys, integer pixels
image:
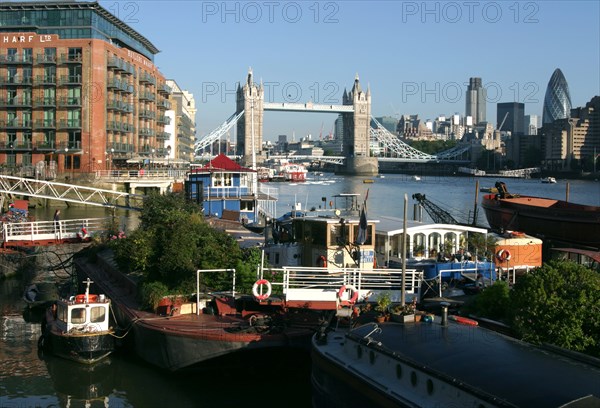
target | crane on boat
[{"x": 437, "y": 214}]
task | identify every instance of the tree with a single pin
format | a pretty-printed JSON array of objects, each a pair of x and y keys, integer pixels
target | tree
[
  {"x": 174, "y": 241},
  {"x": 559, "y": 303}
]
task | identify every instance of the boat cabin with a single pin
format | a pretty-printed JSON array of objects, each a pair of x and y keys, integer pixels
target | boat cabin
[
  {"x": 328, "y": 236},
  {"x": 224, "y": 189},
  {"x": 439, "y": 250},
  {"x": 85, "y": 313}
]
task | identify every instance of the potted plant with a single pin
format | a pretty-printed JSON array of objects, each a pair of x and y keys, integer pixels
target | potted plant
[
  {"x": 383, "y": 306},
  {"x": 405, "y": 313}
]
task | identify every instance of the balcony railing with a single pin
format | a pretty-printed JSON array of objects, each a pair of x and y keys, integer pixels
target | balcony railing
[
  {"x": 163, "y": 135},
  {"x": 15, "y": 102},
  {"x": 45, "y": 59},
  {"x": 163, "y": 104},
  {"x": 69, "y": 101},
  {"x": 69, "y": 124},
  {"x": 164, "y": 89},
  {"x": 71, "y": 58},
  {"x": 44, "y": 124},
  {"x": 146, "y": 96},
  {"x": 144, "y": 113},
  {"x": 42, "y": 102},
  {"x": 45, "y": 80},
  {"x": 16, "y": 59},
  {"x": 165, "y": 120},
  {"x": 146, "y": 78},
  {"x": 70, "y": 80},
  {"x": 146, "y": 132},
  {"x": 15, "y": 124},
  {"x": 15, "y": 80}
]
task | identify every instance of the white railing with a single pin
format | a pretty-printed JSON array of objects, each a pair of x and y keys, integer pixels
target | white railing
[
  {"x": 321, "y": 284},
  {"x": 142, "y": 174},
  {"x": 53, "y": 230}
]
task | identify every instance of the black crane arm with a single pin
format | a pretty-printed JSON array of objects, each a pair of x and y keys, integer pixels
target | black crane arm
[{"x": 437, "y": 214}]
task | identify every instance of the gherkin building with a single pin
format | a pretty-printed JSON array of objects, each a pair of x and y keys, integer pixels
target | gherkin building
[{"x": 557, "y": 102}]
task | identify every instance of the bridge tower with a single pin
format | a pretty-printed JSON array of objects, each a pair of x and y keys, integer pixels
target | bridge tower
[
  {"x": 250, "y": 99},
  {"x": 357, "y": 126}
]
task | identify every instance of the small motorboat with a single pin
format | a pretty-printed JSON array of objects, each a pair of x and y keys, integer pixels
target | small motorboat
[
  {"x": 548, "y": 180},
  {"x": 79, "y": 328}
]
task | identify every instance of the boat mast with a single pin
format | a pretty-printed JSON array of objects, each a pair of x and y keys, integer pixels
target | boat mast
[
  {"x": 403, "y": 289},
  {"x": 87, "y": 289}
]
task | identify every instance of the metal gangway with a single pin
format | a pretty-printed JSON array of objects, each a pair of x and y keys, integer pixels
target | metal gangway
[
  {"x": 40, "y": 233},
  {"x": 70, "y": 193}
]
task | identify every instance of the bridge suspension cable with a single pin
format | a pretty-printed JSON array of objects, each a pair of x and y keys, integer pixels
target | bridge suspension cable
[
  {"x": 217, "y": 133},
  {"x": 398, "y": 147},
  {"x": 390, "y": 141}
]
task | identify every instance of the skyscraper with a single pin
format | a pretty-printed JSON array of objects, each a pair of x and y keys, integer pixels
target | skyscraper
[
  {"x": 476, "y": 100},
  {"x": 557, "y": 102},
  {"x": 511, "y": 117}
]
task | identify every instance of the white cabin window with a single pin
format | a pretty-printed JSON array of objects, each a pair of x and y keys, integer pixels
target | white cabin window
[
  {"x": 78, "y": 315},
  {"x": 222, "y": 180},
  {"x": 97, "y": 314}
]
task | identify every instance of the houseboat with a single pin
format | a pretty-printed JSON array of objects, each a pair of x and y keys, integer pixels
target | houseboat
[
  {"x": 226, "y": 189},
  {"x": 445, "y": 363},
  {"x": 545, "y": 218},
  {"x": 446, "y": 253},
  {"x": 79, "y": 328}
]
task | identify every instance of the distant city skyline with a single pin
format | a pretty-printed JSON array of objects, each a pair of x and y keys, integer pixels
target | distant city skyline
[{"x": 417, "y": 57}]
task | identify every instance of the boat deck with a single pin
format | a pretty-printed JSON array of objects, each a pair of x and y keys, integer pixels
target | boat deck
[{"x": 508, "y": 369}]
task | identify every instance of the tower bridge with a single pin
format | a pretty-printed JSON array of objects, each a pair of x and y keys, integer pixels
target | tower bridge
[{"x": 356, "y": 141}]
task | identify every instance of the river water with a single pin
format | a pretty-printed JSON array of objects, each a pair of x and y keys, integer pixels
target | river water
[{"x": 28, "y": 379}]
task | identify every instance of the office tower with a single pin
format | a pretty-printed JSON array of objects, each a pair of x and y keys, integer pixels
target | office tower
[
  {"x": 511, "y": 117},
  {"x": 476, "y": 100},
  {"x": 557, "y": 102}
]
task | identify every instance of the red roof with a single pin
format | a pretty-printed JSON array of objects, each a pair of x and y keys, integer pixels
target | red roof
[{"x": 222, "y": 162}]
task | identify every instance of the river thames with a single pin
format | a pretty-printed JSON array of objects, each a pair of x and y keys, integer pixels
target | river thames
[{"x": 28, "y": 379}]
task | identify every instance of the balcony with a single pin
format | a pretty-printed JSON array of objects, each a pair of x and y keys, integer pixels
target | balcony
[
  {"x": 48, "y": 101},
  {"x": 146, "y": 78},
  {"x": 71, "y": 58},
  {"x": 164, "y": 89},
  {"x": 44, "y": 124},
  {"x": 164, "y": 120},
  {"x": 45, "y": 80},
  {"x": 69, "y": 102},
  {"x": 113, "y": 126},
  {"x": 16, "y": 80},
  {"x": 70, "y": 80},
  {"x": 48, "y": 146},
  {"x": 16, "y": 59},
  {"x": 15, "y": 102},
  {"x": 69, "y": 124},
  {"x": 164, "y": 104},
  {"x": 147, "y": 114},
  {"x": 119, "y": 106},
  {"x": 146, "y": 96},
  {"x": 127, "y": 127},
  {"x": 115, "y": 63},
  {"x": 15, "y": 124},
  {"x": 163, "y": 135},
  {"x": 45, "y": 59},
  {"x": 146, "y": 132}
]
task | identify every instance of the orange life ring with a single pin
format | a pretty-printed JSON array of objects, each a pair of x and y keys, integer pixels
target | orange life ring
[
  {"x": 322, "y": 261},
  {"x": 503, "y": 255},
  {"x": 265, "y": 295},
  {"x": 81, "y": 298},
  {"x": 353, "y": 293}
]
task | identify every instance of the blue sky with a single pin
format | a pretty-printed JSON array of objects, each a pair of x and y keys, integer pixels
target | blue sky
[{"x": 416, "y": 56}]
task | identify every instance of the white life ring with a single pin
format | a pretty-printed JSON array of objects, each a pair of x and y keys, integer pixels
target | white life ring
[
  {"x": 82, "y": 234},
  {"x": 503, "y": 255},
  {"x": 265, "y": 295},
  {"x": 353, "y": 297}
]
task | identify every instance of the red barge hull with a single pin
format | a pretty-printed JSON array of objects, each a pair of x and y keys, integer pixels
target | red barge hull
[
  {"x": 175, "y": 342},
  {"x": 545, "y": 218}
]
